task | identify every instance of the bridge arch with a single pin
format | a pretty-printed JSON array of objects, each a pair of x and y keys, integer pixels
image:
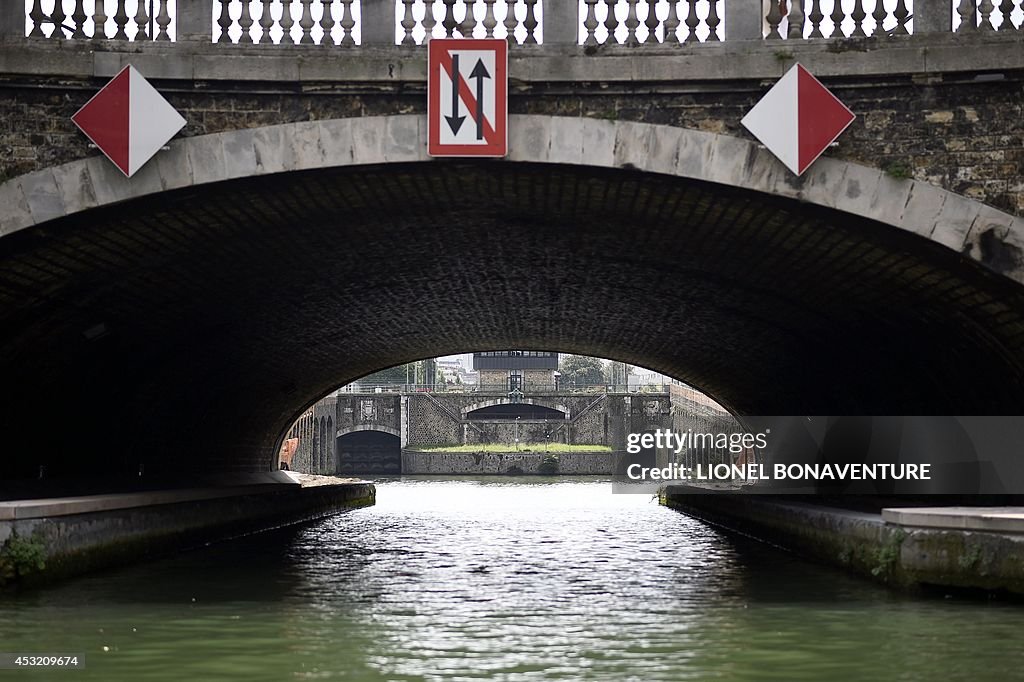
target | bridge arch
[
  {"x": 368, "y": 427},
  {"x": 491, "y": 402},
  {"x": 317, "y": 246},
  {"x": 983, "y": 233}
]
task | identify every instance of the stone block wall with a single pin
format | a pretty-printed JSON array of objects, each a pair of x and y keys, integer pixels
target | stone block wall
[
  {"x": 955, "y": 132},
  {"x": 315, "y": 432},
  {"x": 470, "y": 463},
  {"x": 429, "y": 424},
  {"x": 362, "y": 410}
]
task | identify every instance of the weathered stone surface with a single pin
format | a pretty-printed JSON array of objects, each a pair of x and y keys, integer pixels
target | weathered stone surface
[
  {"x": 900, "y": 555},
  {"x": 44, "y": 199},
  {"x": 961, "y": 135},
  {"x": 515, "y": 463},
  {"x": 86, "y": 533}
]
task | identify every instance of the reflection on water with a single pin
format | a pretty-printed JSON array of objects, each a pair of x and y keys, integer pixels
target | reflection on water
[{"x": 504, "y": 579}]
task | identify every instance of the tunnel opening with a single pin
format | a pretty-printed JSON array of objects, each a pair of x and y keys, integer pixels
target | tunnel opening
[
  {"x": 142, "y": 309},
  {"x": 369, "y": 453}
]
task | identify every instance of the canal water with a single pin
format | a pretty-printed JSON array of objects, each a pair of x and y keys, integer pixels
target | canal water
[{"x": 503, "y": 579}]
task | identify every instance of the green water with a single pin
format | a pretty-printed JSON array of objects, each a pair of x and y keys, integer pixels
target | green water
[{"x": 503, "y": 580}]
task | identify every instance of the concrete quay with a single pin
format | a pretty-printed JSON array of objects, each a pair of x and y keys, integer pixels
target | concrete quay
[
  {"x": 44, "y": 540},
  {"x": 971, "y": 549}
]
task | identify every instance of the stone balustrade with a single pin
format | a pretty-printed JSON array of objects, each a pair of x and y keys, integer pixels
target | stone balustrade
[{"x": 639, "y": 23}]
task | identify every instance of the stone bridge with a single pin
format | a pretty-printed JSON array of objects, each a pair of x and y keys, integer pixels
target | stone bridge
[
  {"x": 297, "y": 237},
  {"x": 372, "y": 428}
]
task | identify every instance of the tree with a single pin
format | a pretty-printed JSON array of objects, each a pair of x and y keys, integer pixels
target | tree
[
  {"x": 617, "y": 374},
  {"x": 391, "y": 375},
  {"x": 580, "y": 370}
]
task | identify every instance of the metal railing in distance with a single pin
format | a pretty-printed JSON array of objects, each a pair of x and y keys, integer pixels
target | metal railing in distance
[{"x": 502, "y": 389}]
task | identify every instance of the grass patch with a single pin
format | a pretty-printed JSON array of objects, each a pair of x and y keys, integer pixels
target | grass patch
[{"x": 506, "y": 447}]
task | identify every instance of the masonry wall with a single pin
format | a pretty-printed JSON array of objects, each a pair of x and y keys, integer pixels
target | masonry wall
[
  {"x": 437, "y": 419},
  {"x": 508, "y": 463},
  {"x": 363, "y": 410},
  {"x": 964, "y": 135},
  {"x": 315, "y": 432}
]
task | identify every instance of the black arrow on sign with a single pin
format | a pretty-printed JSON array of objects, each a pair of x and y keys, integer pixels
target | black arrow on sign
[
  {"x": 479, "y": 73},
  {"x": 455, "y": 121}
]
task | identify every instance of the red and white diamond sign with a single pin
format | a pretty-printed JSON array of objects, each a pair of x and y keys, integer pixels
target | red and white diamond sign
[
  {"x": 798, "y": 119},
  {"x": 467, "y": 97},
  {"x": 129, "y": 120}
]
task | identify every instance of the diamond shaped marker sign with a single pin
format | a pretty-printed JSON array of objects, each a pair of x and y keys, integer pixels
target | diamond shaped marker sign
[
  {"x": 128, "y": 120},
  {"x": 798, "y": 119}
]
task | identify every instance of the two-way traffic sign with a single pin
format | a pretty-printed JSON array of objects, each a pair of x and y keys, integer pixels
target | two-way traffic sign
[{"x": 467, "y": 97}]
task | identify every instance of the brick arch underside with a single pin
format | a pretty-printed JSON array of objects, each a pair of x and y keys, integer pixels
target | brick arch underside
[{"x": 196, "y": 325}]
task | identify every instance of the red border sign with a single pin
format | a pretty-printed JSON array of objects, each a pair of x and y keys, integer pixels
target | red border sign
[{"x": 465, "y": 106}]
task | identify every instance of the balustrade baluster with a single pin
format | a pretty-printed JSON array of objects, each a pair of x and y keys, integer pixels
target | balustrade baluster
[
  {"x": 121, "y": 20},
  {"x": 713, "y": 21},
  {"x": 968, "y": 22},
  {"x": 287, "y": 22},
  {"x": 531, "y": 23},
  {"x": 632, "y": 22},
  {"x": 348, "y": 22},
  {"x": 266, "y": 23},
  {"x": 879, "y": 15},
  {"x": 985, "y": 15},
  {"x": 245, "y": 22},
  {"x": 57, "y": 16},
  {"x": 99, "y": 21},
  {"x": 408, "y": 22},
  {"x": 901, "y": 13},
  {"x": 468, "y": 24},
  {"x": 326, "y": 23},
  {"x": 692, "y": 20},
  {"x": 859, "y": 14},
  {"x": 795, "y": 16},
  {"x": 651, "y": 22},
  {"x": 511, "y": 22},
  {"x": 816, "y": 16},
  {"x": 590, "y": 23},
  {"x": 837, "y": 17},
  {"x": 490, "y": 21},
  {"x": 78, "y": 20},
  {"x": 37, "y": 16},
  {"x": 610, "y": 21},
  {"x": 774, "y": 18},
  {"x": 1017, "y": 6},
  {"x": 163, "y": 22},
  {"x": 224, "y": 21},
  {"x": 429, "y": 22},
  {"x": 306, "y": 23},
  {"x": 142, "y": 23},
  {"x": 449, "y": 23},
  {"x": 671, "y": 35}
]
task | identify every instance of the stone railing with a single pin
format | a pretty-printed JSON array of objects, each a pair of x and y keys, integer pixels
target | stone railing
[{"x": 342, "y": 23}]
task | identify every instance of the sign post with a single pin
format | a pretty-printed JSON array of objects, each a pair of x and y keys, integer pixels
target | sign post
[{"x": 467, "y": 97}]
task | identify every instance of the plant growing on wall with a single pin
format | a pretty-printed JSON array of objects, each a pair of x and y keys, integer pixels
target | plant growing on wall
[
  {"x": 549, "y": 465},
  {"x": 20, "y": 556}
]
